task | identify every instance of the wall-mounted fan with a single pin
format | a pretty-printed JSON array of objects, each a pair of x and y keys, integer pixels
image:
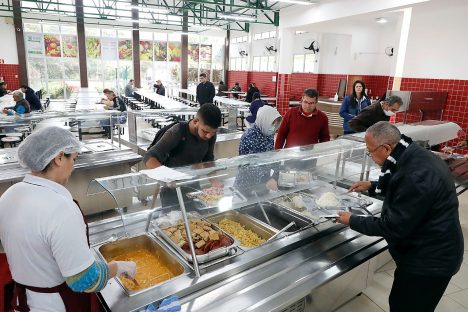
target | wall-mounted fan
[
  {"x": 314, "y": 47},
  {"x": 243, "y": 53},
  {"x": 389, "y": 51},
  {"x": 271, "y": 49}
]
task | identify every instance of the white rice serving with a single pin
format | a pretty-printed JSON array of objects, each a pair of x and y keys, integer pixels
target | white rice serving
[{"x": 328, "y": 199}]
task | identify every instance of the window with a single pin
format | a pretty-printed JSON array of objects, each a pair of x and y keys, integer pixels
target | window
[
  {"x": 304, "y": 63},
  {"x": 257, "y": 36},
  {"x": 271, "y": 63},
  {"x": 256, "y": 63},
  {"x": 265, "y": 35},
  {"x": 309, "y": 63},
  {"x": 298, "y": 63},
  {"x": 273, "y": 34},
  {"x": 264, "y": 63}
]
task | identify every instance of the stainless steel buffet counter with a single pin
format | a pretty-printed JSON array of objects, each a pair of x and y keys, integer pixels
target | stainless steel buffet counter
[{"x": 316, "y": 263}]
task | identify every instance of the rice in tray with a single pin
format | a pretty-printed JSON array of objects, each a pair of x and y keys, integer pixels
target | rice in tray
[{"x": 246, "y": 237}]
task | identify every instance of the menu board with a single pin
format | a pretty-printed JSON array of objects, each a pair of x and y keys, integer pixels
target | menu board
[
  {"x": 34, "y": 45},
  {"x": 174, "y": 51},
  {"x": 160, "y": 50},
  {"x": 146, "y": 50},
  {"x": 70, "y": 46},
  {"x": 109, "y": 49},
  {"x": 93, "y": 47},
  {"x": 205, "y": 53},
  {"x": 125, "y": 50},
  {"x": 193, "y": 52},
  {"x": 52, "y": 45}
]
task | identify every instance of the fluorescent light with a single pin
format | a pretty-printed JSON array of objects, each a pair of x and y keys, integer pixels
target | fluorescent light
[
  {"x": 238, "y": 17},
  {"x": 303, "y": 2},
  {"x": 381, "y": 20}
]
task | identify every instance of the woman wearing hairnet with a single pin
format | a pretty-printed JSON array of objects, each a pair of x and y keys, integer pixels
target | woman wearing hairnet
[
  {"x": 44, "y": 233},
  {"x": 258, "y": 139}
]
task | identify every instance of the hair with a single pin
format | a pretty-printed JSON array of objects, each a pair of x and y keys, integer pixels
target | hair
[
  {"x": 236, "y": 84},
  {"x": 105, "y": 91},
  {"x": 210, "y": 114},
  {"x": 49, "y": 165},
  {"x": 221, "y": 82},
  {"x": 159, "y": 81},
  {"x": 2, "y": 83},
  {"x": 111, "y": 93},
  {"x": 394, "y": 99},
  {"x": 23, "y": 86},
  {"x": 312, "y": 93},
  {"x": 203, "y": 75},
  {"x": 255, "y": 96},
  {"x": 131, "y": 80},
  {"x": 384, "y": 132},
  {"x": 354, "y": 102},
  {"x": 19, "y": 94}
]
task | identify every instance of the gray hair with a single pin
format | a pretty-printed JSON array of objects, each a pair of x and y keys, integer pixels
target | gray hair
[
  {"x": 19, "y": 94},
  {"x": 384, "y": 132},
  {"x": 394, "y": 99}
]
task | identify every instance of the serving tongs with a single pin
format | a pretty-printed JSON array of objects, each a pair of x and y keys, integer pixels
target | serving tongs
[
  {"x": 292, "y": 223},
  {"x": 134, "y": 281}
]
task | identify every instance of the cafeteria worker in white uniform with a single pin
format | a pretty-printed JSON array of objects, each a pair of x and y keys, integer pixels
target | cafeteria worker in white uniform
[{"x": 44, "y": 233}]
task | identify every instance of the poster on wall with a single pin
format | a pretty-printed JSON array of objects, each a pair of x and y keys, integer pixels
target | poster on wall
[
  {"x": 205, "y": 53},
  {"x": 174, "y": 51},
  {"x": 70, "y": 46},
  {"x": 146, "y": 50},
  {"x": 193, "y": 52},
  {"x": 34, "y": 45},
  {"x": 160, "y": 50},
  {"x": 93, "y": 47},
  {"x": 52, "y": 45},
  {"x": 125, "y": 50},
  {"x": 109, "y": 49}
]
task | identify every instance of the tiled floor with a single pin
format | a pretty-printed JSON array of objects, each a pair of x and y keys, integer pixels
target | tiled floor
[{"x": 455, "y": 299}]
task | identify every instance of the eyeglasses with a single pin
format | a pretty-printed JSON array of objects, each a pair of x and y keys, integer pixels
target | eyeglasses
[
  {"x": 369, "y": 153},
  {"x": 309, "y": 103}
]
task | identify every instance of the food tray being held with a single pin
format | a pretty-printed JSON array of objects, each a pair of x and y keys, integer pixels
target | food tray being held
[
  {"x": 210, "y": 242},
  {"x": 216, "y": 196}
]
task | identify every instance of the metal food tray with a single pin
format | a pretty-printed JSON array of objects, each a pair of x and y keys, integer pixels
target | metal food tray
[
  {"x": 237, "y": 198},
  {"x": 294, "y": 178},
  {"x": 261, "y": 229},
  {"x": 111, "y": 250},
  {"x": 356, "y": 205},
  {"x": 278, "y": 215},
  {"x": 99, "y": 146},
  {"x": 209, "y": 256}
]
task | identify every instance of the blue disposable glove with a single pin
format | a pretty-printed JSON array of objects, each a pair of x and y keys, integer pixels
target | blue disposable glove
[{"x": 169, "y": 304}]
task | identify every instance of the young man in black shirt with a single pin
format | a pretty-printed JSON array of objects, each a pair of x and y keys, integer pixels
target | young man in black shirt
[{"x": 205, "y": 90}]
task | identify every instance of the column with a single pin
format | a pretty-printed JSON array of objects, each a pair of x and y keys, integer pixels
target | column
[
  {"x": 80, "y": 30},
  {"x": 136, "y": 44},
  {"x": 18, "y": 21},
  {"x": 184, "y": 56},
  {"x": 285, "y": 66}
]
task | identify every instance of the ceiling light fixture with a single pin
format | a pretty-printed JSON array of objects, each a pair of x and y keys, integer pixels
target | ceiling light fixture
[
  {"x": 238, "y": 17},
  {"x": 303, "y": 2},
  {"x": 381, "y": 20}
]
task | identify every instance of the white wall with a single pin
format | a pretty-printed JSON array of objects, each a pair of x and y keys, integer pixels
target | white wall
[
  {"x": 437, "y": 42},
  {"x": 335, "y": 51},
  {"x": 8, "y": 51}
]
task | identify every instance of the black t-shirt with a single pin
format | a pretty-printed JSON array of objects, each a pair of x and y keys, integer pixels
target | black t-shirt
[
  {"x": 205, "y": 92},
  {"x": 179, "y": 148}
]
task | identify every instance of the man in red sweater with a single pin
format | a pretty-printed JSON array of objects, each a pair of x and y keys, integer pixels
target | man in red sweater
[{"x": 304, "y": 124}]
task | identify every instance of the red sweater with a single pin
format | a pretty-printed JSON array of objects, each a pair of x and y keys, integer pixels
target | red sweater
[{"x": 297, "y": 129}]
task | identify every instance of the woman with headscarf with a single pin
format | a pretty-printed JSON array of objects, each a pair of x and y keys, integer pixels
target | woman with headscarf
[
  {"x": 258, "y": 139},
  {"x": 44, "y": 233}
]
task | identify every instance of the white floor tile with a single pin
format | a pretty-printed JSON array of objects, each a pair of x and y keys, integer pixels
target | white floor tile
[
  {"x": 460, "y": 297},
  {"x": 360, "y": 303},
  {"x": 451, "y": 288},
  {"x": 388, "y": 266},
  {"x": 379, "y": 290},
  {"x": 461, "y": 278},
  {"x": 447, "y": 304}
]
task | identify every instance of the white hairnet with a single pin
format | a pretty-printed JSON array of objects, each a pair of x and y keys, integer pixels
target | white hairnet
[
  {"x": 265, "y": 117},
  {"x": 39, "y": 148}
]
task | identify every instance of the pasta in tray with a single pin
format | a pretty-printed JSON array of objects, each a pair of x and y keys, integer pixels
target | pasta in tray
[
  {"x": 246, "y": 237},
  {"x": 149, "y": 269}
]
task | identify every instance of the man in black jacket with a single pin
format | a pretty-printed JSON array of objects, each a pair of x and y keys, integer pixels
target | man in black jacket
[
  {"x": 159, "y": 88},
  {"x": 375, "y": 113},
  {"x": 205, "y": 90},
  {"x": 419, "y": 218},
  {"x": 32, "y": 98}
]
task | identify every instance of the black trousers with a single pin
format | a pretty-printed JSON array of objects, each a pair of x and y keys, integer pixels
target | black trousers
[{"x": 416, "y": 293}]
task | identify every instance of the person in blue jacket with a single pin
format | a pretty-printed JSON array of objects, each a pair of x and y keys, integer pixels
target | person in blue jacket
[{"x": 353, "y": 104}]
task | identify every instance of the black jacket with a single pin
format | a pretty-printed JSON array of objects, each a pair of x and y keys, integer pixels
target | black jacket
[
  {"x": 367, "y": 117},
  {"x": 419, "y": 217},
  {"x": 161, "y": 90},
  {"x": 119, "y": 104},
  {"x": 250, "y": 93},
  {"x": 221, "y": 88},
  {"x": 205, "y": 92},
  {"x": 33, "y": 99}
]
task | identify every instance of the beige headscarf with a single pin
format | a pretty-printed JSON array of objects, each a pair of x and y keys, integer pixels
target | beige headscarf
[{"x": 265, "y": 117}]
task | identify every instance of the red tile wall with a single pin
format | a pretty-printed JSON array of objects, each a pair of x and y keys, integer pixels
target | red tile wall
[
  {"x": 263, "y": 80},
  {"x": 238, "y": 76},
  {"x": 264, "y": 83},
  {"x": 300, "y": 82},
  {"x": 283, "y": 92},
  {"x": 10, "y": 72},
  {"x": 456, "y": 109},
  {"x": 328, "y": 84},
  {"x": 377, "y": 85}
]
